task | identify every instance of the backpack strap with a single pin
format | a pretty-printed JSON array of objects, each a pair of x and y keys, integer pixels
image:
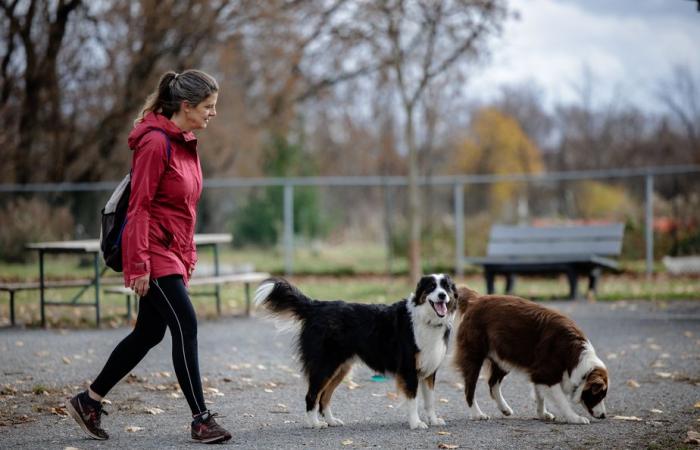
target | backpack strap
[
  {"x": 167, "y": 142},
  {"x": 168, "y": 149}
]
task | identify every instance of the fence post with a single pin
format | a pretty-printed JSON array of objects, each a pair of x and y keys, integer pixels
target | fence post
[
  {"x": 288, "y": 229},
  {"x": 649, "y": 223},
  {"x": 459, "y": 228}
]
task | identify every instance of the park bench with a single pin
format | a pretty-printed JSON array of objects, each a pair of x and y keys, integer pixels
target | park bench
[
  {"x": 13, "y": 287},
  {"x": 571, "y": 250},
  {"x": 245, "y": 278}
]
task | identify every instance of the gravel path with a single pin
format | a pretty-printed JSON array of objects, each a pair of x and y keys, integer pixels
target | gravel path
[{"x": 652, "y": 351}]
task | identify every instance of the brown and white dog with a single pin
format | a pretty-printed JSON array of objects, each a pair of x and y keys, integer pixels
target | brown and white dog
[{"x": 510, "y": 333}]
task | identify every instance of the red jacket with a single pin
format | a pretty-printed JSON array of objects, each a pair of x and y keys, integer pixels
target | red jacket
[{"x": 158, "y": 236}]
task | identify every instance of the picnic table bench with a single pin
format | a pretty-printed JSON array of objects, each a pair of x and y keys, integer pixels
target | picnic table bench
[
  {"x": 13, "y": 287},
  {"x": 246, "y": 278},
  {"x": 91, "y": 249},
  {"x": 571, "y": 250}
]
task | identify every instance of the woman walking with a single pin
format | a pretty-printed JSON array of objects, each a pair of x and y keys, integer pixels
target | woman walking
[{"x": 158, "y": 250}]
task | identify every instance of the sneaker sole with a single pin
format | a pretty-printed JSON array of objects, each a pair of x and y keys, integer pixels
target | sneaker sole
[
  {"x": 76, "y": 416},
  {"x": 215, "y": 440}
]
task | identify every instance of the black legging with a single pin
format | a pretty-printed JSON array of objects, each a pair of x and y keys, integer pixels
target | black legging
[{"x": 165, "y": 305}]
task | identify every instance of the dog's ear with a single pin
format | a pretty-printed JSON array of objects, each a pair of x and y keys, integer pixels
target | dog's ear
[
  {"x": 464, "y": 296},
  {"x": 597, "y": 381},
  {"x": 453, "y": 289},
  {"x": 425, "y": 284}
]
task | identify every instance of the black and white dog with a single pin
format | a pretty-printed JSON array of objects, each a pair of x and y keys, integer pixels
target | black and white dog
[{"x": 407, "y": 339}]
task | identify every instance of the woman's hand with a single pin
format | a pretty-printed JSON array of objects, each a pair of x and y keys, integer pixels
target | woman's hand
[
  {"x": 190, "y": 271},
  {"x": 140, "y": 285}
]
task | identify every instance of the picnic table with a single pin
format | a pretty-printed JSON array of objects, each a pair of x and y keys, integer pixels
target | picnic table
[{"x": 91, "y": 247}]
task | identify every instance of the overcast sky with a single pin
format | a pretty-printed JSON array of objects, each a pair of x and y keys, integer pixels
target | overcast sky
[{"x": 627, "y": 45}]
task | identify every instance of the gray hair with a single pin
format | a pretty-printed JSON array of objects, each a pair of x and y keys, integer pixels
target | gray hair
[{"x": 191, "y": 86}]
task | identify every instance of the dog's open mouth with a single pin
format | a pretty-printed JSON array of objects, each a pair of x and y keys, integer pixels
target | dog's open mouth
[{"x": 439, "y": 307}]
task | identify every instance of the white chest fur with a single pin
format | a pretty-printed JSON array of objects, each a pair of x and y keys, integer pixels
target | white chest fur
[{"x": 431, "y": 343}]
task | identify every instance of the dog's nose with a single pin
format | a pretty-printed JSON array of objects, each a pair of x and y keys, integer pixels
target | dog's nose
[
  {"x": 602, "y": 416},
  {"x": 442, "y": 296}
]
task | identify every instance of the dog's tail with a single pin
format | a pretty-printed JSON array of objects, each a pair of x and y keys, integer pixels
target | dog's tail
[
  {"x": 281, "y": 298},
  {"x": 464, "y": 297}
]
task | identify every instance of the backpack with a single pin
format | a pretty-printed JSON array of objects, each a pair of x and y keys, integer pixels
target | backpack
[{"x": 114, "y": 220}]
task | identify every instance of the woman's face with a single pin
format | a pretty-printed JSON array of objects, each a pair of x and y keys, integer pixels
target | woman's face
[{"x": 198, "y": 116}]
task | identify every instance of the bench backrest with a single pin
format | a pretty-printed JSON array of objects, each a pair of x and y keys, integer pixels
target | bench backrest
[{"x": 603, "y": 240}]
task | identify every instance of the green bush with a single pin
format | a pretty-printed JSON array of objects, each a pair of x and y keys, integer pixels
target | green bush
[{"x": 260, "y": 220}]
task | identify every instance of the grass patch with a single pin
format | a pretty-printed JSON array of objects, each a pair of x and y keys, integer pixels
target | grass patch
[{"x": 354, "y": 272}]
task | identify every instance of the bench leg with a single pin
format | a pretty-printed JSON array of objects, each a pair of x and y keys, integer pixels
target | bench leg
[
  {"x": 247, "y": 299},
  {"x": 128, "y": 307},
  {"x": 490, "y": 278},
  {"x": 510, "y": 283},
  {"x": 593, "y": 277},
  {"x": 12, "y": 308},
  {"x": 572, "y": 276}
]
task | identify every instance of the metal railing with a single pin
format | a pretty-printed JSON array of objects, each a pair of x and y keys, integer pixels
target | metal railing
[{"x": 458, "y": 183}]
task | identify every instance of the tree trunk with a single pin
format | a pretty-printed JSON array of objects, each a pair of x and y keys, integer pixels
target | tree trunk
[{"x": 414, "y": 224}]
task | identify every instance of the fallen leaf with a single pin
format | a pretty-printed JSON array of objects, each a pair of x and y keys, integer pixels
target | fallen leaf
[
  {"x": 658, "y": 364},
  {"x": 656, "y": 411},
  {"x": 697, "y": 405},
  {"x": 693, "y": 437},
  {"x": 248, "y": 415},
  {"x": 347, "y": 442},
  {"x": 133, "y": 429},
  {"x": 664, "y": 356},
  {"x": 269, "y": 391},
  {"x": 59, "y": 411},
  {"x": 352, "y": 385},
  {"x": 19, "y": 343},
  {"x": 392, "y": 395},
  {"x": 66, "y": 360},
  {"x": 611, "y": 356},
  {"x": 664, "y": 374},
  {"x": 654, "y": 347},
  {"x": 444, "y": 400},
  {"x": 688, "y": 334},
  {"x": 154, "y": 411},
  {"x": 633, "y": 384},
  {"x": 71, "y": 448},
  {"x": 443, "y": 445},
  {"x": 444, "y": 433},
  {"x": 629, "y": 418}
]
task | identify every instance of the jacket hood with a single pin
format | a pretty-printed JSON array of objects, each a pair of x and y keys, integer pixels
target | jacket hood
[{"x": 155, "y": 121}]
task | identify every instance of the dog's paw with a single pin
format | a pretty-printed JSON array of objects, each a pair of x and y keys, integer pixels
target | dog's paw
[
  {"x": 480, "y": 416},
  {"x": 334, "y": 422},
  {"x": 436, "y": 421},
  {"x": 547, "y": 416},
  {"x": 316, "y": 424},
  {"x": 578, "y": 420},
  {"x": 507, "y": 411},
  {"x": 418, "y": 425}
]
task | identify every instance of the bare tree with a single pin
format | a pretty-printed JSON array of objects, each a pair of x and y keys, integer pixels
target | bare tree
[
  {"x": 681, "y": 95},
  {"x": 36, "y": 29},
  {"x": 424, "y": 41}
]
